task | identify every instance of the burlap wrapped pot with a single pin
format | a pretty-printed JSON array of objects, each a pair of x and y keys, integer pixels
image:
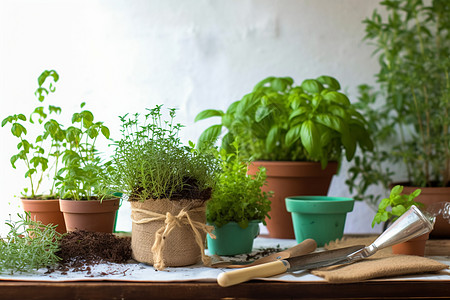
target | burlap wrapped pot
[{"x": 169, "y": 233}]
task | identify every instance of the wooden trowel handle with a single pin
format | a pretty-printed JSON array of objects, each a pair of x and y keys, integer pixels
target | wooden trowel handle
[{"x": 241, "y": 275}]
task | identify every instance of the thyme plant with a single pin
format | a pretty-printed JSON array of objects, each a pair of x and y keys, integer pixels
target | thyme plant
[
  {"x": 29, "y": 245},
  {"x": 150, "y": 162}
]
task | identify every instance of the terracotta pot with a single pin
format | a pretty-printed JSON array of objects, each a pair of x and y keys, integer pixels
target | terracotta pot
[
  {"x": 287, "y": 179},
  {"x": 93, "y": 215},
  {"x": 414, "y": 246},
  {"x": 45, "y": 211},
  {"x": 431, "y": 195}
]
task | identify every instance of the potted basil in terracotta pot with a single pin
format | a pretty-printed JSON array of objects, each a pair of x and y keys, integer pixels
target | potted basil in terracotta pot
[
  {"x": 85, "y": 199},
  {"x": 237, "y": 206},
  {"x": 167, "y": 185},
  {"x": 41, "y": 154},
  {"x": 298, "y": 133}
]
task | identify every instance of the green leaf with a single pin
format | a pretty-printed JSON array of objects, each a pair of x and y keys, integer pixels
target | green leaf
[
  {"x": 88, "y": 118},
  {"x": 261, "y": 113},
  {"x": 6, "y": 120},
  {"x": 310, "y": 137},
  {"x": 17, "y": 129},
  {"x": 299, "y": 111},
  {"x": 30, "y": 172},
  {"x": 105, "y": 131},
  {"x": 336, "y": 97},
  {"x": 312, "y": 86},
  {"x": 208, "y": 113},
  {"x": 398, "y": 210},
  {"x": 272, "y": 138},
  {"x": 210, "y": 135},
  {"x": 13, "y": 160},
  {"x": 396, "y": 190},
  {"x": 293, "y": 134},
  {"x": 415, "y": 194},
  {"x": 331, "y": 82}
]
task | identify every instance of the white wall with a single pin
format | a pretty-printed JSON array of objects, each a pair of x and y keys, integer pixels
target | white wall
[{"x": 126, "y": 55}]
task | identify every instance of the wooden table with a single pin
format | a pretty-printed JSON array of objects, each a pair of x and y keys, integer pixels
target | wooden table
[
  {"x": 387, "y": 289},
  {"x": 249, "y": 290}
]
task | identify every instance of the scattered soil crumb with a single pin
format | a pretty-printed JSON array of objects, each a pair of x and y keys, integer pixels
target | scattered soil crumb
[
  {"x": 263, "y": 252},
  {"x": 80, "y": 249}
]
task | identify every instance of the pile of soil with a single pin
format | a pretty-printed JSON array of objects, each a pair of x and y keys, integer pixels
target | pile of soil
[{"x": 79, "y": 249}]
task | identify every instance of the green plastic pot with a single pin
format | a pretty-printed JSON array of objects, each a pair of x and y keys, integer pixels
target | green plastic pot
[
  {"x": 320, "y": 218},
  {"x": 231, "y": 239}
]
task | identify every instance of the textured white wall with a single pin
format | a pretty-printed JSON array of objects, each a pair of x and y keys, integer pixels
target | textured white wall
[{"x": 123, "y": 56}]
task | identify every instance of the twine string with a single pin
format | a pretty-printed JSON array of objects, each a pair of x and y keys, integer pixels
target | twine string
[{"x": 170, "y": 223}]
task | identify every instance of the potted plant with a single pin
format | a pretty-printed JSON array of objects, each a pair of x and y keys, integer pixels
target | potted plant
[
  {"x": 167, "y": 185},
  {"x": 390, "y": 209},
  {"x": 409, "y": 123},
  {"x": 86, "y": 201},
  {"x": 237, "y": 206},
  {"x": 40, "y": 154},
  {"x": 297, "y": 132}
]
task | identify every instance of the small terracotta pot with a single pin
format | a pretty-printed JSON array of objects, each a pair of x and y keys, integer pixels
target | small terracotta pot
[
  {"x": 415, "y": 246},
  {"x": 93, "y": 215},
  {"x": 291, "y": 178},
  {"x": 45, "y": 211}
]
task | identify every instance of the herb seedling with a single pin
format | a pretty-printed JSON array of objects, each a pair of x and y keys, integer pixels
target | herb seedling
[
  {"x": 237, "y": 196},
  {"x": 399, "y": 204},
  {"x": 81, "y": 176},
  {"x": 41, "y": 154}
]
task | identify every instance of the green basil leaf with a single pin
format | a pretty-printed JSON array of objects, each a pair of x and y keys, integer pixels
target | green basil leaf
[{"x": 208, "y": 113}]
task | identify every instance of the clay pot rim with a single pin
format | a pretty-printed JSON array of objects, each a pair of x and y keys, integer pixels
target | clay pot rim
[
  {"x": 429, "y": 189},
  {"x": 93, "y": 206}
]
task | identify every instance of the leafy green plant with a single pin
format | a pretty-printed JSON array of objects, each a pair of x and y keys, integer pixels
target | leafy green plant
[
  {"x": 28, "y": 245},
  {"x": 40, "y": 154},
  {"x": 237, "y": 196},
  {"x": 150, "y": 162},
  {"x": 409, "y": 114},
  {"x": 81, "y": 178},
  {"x": 283, "y": 122},
  {"x": 398, "y": 204}
]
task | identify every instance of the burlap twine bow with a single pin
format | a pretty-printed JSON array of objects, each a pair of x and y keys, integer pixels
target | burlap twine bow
[{"x": 172, "y": 222}]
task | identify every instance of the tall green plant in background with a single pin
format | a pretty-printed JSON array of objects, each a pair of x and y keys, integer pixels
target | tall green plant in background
[
  {"x": 409, "y": 115},
  {"x": 40, "y": 154}
]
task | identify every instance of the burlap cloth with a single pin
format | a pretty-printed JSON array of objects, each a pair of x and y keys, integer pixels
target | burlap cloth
[
  {"x": 169, "y": 233},
  {"x": 382, "y": 264}
]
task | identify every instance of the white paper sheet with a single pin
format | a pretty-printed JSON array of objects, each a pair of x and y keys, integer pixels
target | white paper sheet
[{"x": 144, "y": 273}]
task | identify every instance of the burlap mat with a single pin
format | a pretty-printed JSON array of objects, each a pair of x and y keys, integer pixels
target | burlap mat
[{"x": 382, "y": 264}]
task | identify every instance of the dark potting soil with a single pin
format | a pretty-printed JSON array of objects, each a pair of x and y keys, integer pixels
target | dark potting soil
[{"x": 80, "y": 249}]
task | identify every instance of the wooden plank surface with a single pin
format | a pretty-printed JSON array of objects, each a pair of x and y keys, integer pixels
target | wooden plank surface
[{"x": 202, "y": 291}]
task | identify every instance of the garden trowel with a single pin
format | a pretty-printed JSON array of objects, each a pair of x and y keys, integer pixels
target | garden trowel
[
  {"x": 411, "y": 224},
  {"x": 305, "y": 247}
]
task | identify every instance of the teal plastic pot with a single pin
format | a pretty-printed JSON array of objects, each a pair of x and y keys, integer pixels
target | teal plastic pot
[
  {"x": 318, "y": 217},
  {"x": 231, "y": 239}
]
